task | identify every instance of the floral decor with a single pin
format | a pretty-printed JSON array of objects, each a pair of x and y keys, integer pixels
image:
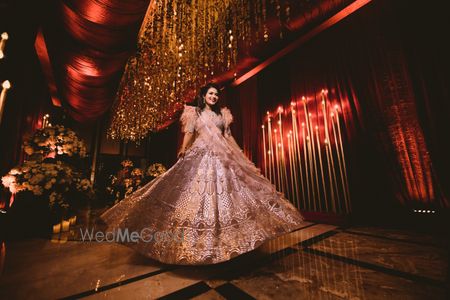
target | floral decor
[
  {"x": 156, "y": 169},
  {"x": 49, "y": 173},
  {"x": 54, "y": 180},
  {"x": 56, "y": 140},
  {"x": 130, "y": 179},
  {"x": 127, "y": 163}
]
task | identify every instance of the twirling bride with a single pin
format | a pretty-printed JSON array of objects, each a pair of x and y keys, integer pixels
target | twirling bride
[{"x": 213, "y": 196}]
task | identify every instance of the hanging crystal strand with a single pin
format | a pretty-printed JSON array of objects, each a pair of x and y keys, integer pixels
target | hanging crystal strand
[
  {"x": 278, "y": 10},
  {"x": 181, "y": 45},
  {"x": 287, "y": 10},
  {"x": 264, "y": 20},
  {"x": 258, "y": 12}
]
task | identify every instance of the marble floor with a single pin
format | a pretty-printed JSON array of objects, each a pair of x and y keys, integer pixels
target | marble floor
[{"x": 318, "y": 261}]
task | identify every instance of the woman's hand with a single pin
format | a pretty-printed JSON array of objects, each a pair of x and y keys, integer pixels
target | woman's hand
[
  {"x": 181, "y": 153},
  {"x": 187, "y": 142}
]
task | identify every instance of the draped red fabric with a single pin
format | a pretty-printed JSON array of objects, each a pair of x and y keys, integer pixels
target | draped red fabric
[
  {"x": 89, "y": 42},
  {"x": 392, "y": 103}
]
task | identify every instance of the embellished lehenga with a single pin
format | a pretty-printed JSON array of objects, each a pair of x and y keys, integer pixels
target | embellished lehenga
[{"x": 214, "y": 196}]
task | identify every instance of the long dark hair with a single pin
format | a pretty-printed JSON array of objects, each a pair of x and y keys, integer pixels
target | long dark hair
[{"x": 200, "y": 101}]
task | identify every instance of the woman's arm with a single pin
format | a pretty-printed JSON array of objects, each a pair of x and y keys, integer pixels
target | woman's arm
[{"x": 188, "y": 139}]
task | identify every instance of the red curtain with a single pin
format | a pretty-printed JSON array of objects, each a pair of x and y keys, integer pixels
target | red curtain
[{"x": 390, "y": 76}]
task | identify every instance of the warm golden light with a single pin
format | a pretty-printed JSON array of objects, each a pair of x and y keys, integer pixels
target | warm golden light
[
  {"x": 2, "y": 44},
  {"x": 181, "y": 46},
  {"x": 309, "y": 162},
  {"x": 6, "y": 84}
]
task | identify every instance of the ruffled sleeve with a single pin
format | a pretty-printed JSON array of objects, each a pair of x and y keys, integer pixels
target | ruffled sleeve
[
  {"x": 227, "y": 118},
  {"x": 188, "y": 118}
]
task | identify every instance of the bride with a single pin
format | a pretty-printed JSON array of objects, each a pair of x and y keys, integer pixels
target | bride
[{"x": 212, "y": 205}]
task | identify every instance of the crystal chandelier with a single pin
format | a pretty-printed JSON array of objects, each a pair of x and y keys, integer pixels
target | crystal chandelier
[{"x": 182, "y": 45}]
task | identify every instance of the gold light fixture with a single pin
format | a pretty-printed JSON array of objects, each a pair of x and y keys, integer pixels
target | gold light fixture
[
  {"x": 6, "y": 85},
  {"x": 182, "y": 44},
  {"x": 3, "y": 38}
]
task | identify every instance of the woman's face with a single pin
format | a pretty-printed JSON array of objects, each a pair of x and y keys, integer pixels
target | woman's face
[{"x": 212, "y": 96}]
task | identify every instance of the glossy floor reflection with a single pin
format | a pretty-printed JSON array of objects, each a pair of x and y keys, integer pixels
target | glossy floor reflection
[{"x": 317, "y": 261}]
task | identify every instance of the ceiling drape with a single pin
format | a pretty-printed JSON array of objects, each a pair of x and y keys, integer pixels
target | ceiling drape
[{"x": 89, "y": 42}]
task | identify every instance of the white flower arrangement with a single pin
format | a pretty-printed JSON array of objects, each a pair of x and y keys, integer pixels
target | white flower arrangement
[
  {"x": 41, "y": 178},
  {"x": 55, "y": 139},
  {"x": 50, "y": 177}
]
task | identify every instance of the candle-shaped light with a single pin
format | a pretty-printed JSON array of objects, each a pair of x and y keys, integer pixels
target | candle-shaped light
[
  {"x": 57, "y": 228},
  {"x": 297, "y": 163},
  {"x": 309, "y": 146},
  {"x": 330, "y": 155},
  {"x": 73, "y": 220},
  {"x": 307, "y": 115},
  {"x": 330, "y": 176},
  {"x": 311, "y": 172},
  {"x": 297, "y": 155},
  {"x": 45, "y": 120},
  {"x": 6, "y": 85},
  {"x": 283, "y": 156},
  {"x": 307, "y": 166},
  {"x": 65, "y": 225},
  {"x": 4, "y": 38},
  {"x": 336, "y": 108},
  {"x": 319, "y": 151},
  {"x": 277, "y": 159},
  {"x": 325, "y": 114},
  {"x": 338, "y": 155},
  {"x": 316, "y": 174},
  {"x": 264, "y": 149},
  {"x": 270, "y": 151},
  {"x": 292, "y": 171}
]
